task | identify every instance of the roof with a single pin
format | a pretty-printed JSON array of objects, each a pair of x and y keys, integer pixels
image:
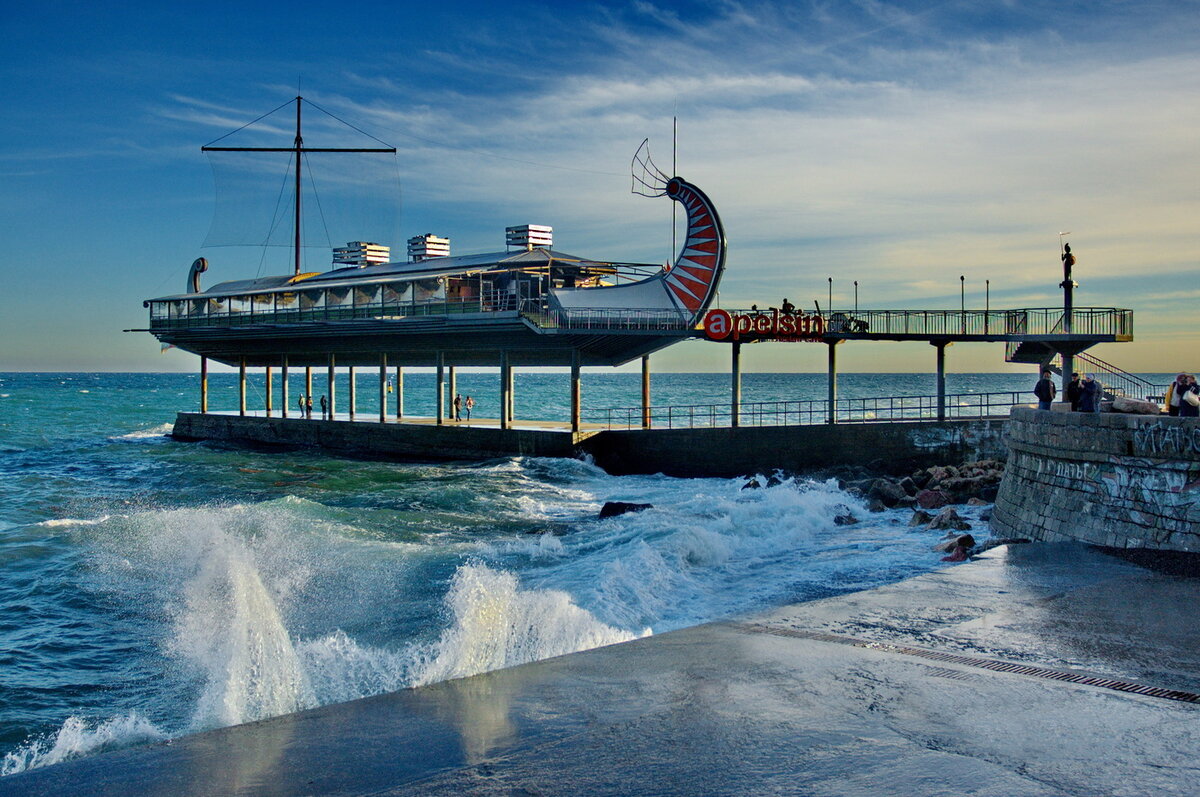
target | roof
[{"x": 425, "y": 269}]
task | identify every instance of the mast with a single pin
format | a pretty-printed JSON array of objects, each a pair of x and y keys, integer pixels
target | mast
[{"x": 298, "y": 150}]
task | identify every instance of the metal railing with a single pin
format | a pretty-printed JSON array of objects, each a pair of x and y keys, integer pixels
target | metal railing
[
  {"x": 1114, "y": 381},
  {"x": 812, "y": 412},
  {"x": 615, "y": 318},
  {"x": 1026, "y": 321}
]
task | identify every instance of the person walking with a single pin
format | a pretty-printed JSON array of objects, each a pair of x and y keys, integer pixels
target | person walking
[
  {"x": 301, "y": 402},
  {"x": 1074, "y": 391},
  {"x": 469, "y": 405},
  {"x": 1045, "y": 390},
  {"x": 1175, "y": 393},
  {"x": 1089, "y": 399},
  {"x": 458, "y": 406},
  {"x": 1189, "y": 401}
]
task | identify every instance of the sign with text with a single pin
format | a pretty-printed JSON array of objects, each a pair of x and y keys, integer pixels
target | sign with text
[{"x": 723, "y": 325}]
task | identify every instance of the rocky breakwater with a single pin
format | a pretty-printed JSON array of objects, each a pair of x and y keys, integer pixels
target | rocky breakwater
[{"x": 1111, "y": 479}]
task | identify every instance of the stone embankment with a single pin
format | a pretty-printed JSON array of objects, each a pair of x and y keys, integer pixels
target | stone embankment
[{"x": 1116, "y": 480}]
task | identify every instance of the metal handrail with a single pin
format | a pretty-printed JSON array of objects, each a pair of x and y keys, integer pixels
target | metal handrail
[{"x": 812, "y": 411}]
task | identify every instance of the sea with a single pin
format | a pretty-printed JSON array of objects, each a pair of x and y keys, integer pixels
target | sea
[{"x": 151, "y": 588}]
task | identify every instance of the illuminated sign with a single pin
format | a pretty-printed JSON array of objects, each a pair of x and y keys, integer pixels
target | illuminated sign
[{"x": 722, "y": 325}]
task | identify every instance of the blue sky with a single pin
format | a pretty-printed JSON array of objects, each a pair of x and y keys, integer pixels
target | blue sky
[{"x": 899, "y": 144}]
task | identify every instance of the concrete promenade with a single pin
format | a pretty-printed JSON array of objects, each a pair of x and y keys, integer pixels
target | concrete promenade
[{"x": 1020, "y": 673}]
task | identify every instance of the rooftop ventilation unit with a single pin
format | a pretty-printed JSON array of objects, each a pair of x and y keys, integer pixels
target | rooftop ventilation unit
[
  {"x": 529, "y": 236},
  {"x": 360, "y": 253},
  {"x": 423, "y": 247}
]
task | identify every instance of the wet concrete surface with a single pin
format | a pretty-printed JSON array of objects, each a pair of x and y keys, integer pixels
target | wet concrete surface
[{"x": 844, "y": 696}]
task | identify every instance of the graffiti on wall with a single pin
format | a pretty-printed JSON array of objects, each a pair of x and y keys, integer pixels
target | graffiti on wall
[{"x": 1164, "y": 439}]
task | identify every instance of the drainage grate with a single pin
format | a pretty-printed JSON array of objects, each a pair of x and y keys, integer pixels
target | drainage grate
[{"x": 973, "y": 661}]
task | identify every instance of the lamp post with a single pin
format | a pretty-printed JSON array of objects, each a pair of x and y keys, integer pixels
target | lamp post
[
  {"x": 856, "y": 297},
  {"x": 987, "y": 304},
  {"x": 829, "y": 306},
  {"x": 962, "y": 301}
]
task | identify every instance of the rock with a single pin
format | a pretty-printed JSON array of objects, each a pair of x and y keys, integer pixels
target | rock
[
  {"x": 989, "y": 493},
  {"x": 907, "y": 502},
  {"x": 845, "y": 519},
  {"x": 875, "y": 505},
  {"x": 752, "y": 483},
  {"x": 1135, "y": 406},
  {"x": 939, "y": 473},
  {"x": 932, "y": 499},
  {"x": 908, "y": 485},
  {"x": 948, "y": 519},
  {"x": 920, "y": 518},
  {"x": 976, "y": 502},
  {"x": 614, "y": 508},
  {"x": 985, "y": 516},
  {"x": 921, "y": 478},
  {"x": 886, "y": 491}
]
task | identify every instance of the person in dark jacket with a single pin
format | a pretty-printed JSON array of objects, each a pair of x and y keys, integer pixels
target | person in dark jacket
[
  {"x": 1186, "y": 408},
  {"x": 1089, "y": 398},
  {"x": 1045, "y": 391},
  {"x": 1074, "y": 391}
]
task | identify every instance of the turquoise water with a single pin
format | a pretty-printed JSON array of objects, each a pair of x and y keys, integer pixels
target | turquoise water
[{"x": 152, "y": 588}]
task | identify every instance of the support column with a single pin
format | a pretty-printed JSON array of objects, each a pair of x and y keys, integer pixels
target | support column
[
  {"x": 735, "y": 399},
  {"x": 242, "y": 386},
  {"x": 382, "y": 388},
  {"x": 1068, "y": 368},
  {"x": 941, "y": 378},
  {"x": 645, "y": 391},
  {"x": 831, "y": 399},
  {"x": 575, "y": 392},
  {"x": 203, "y": 384},
  {"x": 283, "y": 375},
  {"x": 511, "y": 393},
  {"x": 270, "y": 389},
  {"x": 504, "y": 390},
  {"x": 352, "y": 394},
  {"x": 441, "y": 388},
  {"x": 307, "y": 384},
  {"x": 332, "y": 385},
  {"x": 399, "y": 392}
]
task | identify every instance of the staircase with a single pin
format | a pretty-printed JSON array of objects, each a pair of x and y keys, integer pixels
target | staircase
[{"x": 1113, "y": 380}]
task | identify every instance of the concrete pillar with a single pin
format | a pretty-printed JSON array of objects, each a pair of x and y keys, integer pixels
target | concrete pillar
[
  {"x": 645, "y": 391},
  {"x": 332, "y": 385},
  {"x": 270, "y": 390},
  {"x": 941, "y": 378},
  {"x": 399, "y": 392},
  {"x": 242, "y": 386},
  {"x": 831, "y": 398},
  {"x": 735, "y": 399},
  {"x": 441, "y": 388},
  {"x": 352, "y": 394},
  {"x": 504, "y": 387},
  {"x": 203, "y": 384},
  {"x": 576, "y": 395},
  {"x": 307, "y": 383},
  {"x": 382, "y": 388},
  {"x": 1068, "y": 368},
  {"x": 511, "y": 393},
  {"x": 453, "y": 390},
  {"x": 283, "y": 376}
]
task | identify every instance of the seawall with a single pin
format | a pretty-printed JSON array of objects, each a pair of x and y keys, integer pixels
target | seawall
[
  {"x": 1123, "y": 481},
  {"x": 718, "y": 452}
]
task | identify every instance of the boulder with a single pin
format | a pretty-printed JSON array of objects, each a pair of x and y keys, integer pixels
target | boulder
[
  {"x": 920, "y": 518},
  {"x": 939, "y": 473},
  {"x": 875, "y": 505},
  {"x": 887, "y": 491},
  {"x": 976, "y": 502},
  {"x": 1135, "y": 406},
  {"x": 949, "y": 519},
  {"x": 845, "y": 518},
  {"x": 908, "y": 485},
  {"x": 932, "y": 499},
  {"x": 614, "y": 508},
  {"x": 989, "y": 493}
]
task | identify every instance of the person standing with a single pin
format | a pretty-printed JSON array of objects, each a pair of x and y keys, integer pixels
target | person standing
[
  {"x": 1189, "y": 401},
  {"x": 308, "y": 406},
  {"x": 301, "y": 401},
  {"x": 324, "y": 407},
  {"x": 469, "y": 404},
  {"x": 458, "y": 406},
  {"x": 1089, "y": 398},
  {"x": 1175, "y": 393},
  {"x": 1045, "y": 390},
  {"x": 1074, "y": 391}
]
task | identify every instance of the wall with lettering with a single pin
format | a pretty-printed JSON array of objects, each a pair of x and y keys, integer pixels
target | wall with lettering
[{"x": 1124, "y": 481}]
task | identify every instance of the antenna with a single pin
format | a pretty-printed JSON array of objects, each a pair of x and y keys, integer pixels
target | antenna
[{"x": 674, "y": 173}]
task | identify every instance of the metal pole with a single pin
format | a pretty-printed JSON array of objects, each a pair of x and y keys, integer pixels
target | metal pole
[
  {"x": 831, "y": 398},
  {"x": 575, "y": 392},
  {"x": 504, "y": 390},
  {"x": 735, "y": 400},
  {"x": 270, "y": 390},
  {"x": 242, "y": 386},
  {"x": 941, "y": 378},
  {"x": 352, "y": 394},
  {"x": 453, "y": 390},
  {"x": 307, "y": 382},
  {"x": 987, "y": 304},
  {"x": 299, "y": 145},
  {"x": 441, "y": 388},
  {"x": 645, "y": 391},
  {"x": 383, "y": 388},
  {"x": 829, "y": 305},
  {"x": 203, "y": 385},
  {"x": 512, "y": 393},
  {"x": 856, "y": 297},
  {"x": 283, "y": 376},
  {"x": 399, "y": 392}
]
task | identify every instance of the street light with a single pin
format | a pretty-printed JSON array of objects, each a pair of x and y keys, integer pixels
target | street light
[
  {"x": 962, "y": 293},
  {"x": 856, "y": 297},
  {"x": 829, "y": 306}
]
